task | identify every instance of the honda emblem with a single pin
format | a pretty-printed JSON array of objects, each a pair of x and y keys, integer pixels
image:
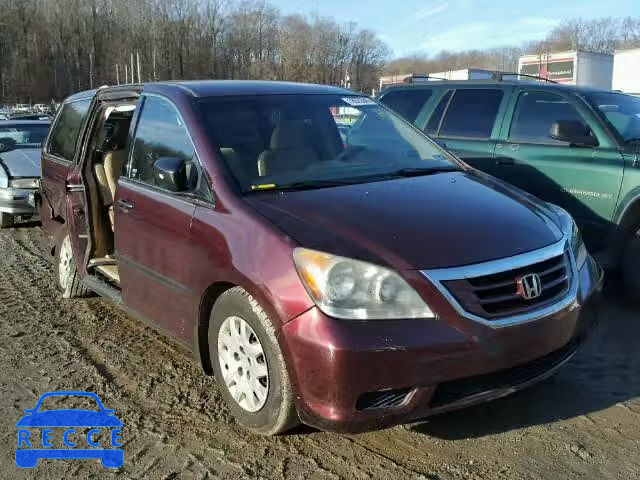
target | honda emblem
[{"x": 529, "y": 286}]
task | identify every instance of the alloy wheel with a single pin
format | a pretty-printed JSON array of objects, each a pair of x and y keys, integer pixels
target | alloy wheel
[{"x": 243, "y": 364}]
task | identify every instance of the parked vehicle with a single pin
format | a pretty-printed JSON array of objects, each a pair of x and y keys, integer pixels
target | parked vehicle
[
  {"x": 351, "y": 287},
  {"x": 571, "y": 68},
  {"x": 29, "y": 116},
  {"x": 20, "y": 144},
  {"x": 626, "y": 71},
  {"x": 578, "y": 148}
]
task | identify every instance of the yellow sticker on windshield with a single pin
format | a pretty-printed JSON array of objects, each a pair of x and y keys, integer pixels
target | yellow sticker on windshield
[{"x": 264, "y": 186}]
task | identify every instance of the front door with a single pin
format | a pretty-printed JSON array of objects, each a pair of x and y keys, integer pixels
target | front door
[
  {"x": 62, "y": 191},
  {"x": 585, "y": 181},
  {"x": 152, "y": 225}
]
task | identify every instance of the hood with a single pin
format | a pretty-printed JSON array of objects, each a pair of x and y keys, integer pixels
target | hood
[
  {"x": 21, "y": 162},
  {"x": 435, "y": 221},
  {"x": 69, "y": 418}
]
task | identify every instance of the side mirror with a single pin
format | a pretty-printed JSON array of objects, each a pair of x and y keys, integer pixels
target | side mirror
[
  {"x": 573, "y": 132},
  {"x": 171, "y": 174}
]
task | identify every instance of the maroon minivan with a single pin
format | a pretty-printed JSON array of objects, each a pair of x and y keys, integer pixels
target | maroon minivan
[{"x": 325, "y": 260}]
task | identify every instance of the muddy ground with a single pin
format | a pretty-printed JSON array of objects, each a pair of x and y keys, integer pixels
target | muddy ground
[{"x": 583, "y": 423}]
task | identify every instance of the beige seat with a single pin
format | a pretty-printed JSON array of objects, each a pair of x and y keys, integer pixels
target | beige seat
[
  {"x": 107, "y": 174},
  {"x": 289, "y": 150}
]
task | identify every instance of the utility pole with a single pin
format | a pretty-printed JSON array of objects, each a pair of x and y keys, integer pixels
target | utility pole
[
  {"x": 126, "y": 73},
  {"x": 138, "y": 62},
  {"x": 133, "y": 72},
  {"x": 117, "y": 75}
]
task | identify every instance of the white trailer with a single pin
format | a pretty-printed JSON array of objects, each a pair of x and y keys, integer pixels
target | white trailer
[
  {"x": 571, "y": 68},
  {"x": 466, "y": 74},
  {"x": 626, "y": 71}
]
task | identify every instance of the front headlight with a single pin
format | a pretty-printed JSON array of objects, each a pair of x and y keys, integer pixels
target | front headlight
[
  {"x": 355, "y": 290},
  {"x": 570, "y": 228},
  {"x": 24, "y": 183}
]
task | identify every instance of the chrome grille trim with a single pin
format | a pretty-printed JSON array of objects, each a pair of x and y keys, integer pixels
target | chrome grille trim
[{"x": 438, "y": 276}]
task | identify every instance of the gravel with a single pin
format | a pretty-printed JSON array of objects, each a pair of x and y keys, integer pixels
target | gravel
[{"x": 582, "y": 423}]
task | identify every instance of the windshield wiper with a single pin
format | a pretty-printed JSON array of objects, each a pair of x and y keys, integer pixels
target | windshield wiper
[
  {"x": 417, "y": 172},
  {"x": 307, "y": 184}
]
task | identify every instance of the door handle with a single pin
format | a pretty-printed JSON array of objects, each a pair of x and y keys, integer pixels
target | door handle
[
  {"x": 505, "y": 162},
  {"x": 74, "y": 187},
  {"x": 124, "y": 205}
]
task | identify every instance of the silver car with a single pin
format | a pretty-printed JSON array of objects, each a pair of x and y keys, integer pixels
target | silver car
[{"x": 20, "y": 144}]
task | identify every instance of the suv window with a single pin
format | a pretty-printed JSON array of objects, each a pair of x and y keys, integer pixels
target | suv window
[
  {"x": 67, "y": 128},
  {"x": 436, "y": 116},
  {"x": 471, "y": 113},
  {"x": 536, "y": 112},
  {"x": 161, "y": 133},
  {"x": 407, "y": 103}
]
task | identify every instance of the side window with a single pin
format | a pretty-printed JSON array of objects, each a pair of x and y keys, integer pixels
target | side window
[
  {"x": 67, "y": 128},
  {"x": 407, "y": 103},
  {"x": 436, "y": 116},
  {"x": 471, "y": 113},
  {"x": 161, "y": 133},
  {"x": 536, "y": 112}
]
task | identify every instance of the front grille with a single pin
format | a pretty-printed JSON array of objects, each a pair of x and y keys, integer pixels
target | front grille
[
  {"x": 449, "y": 392},
  {"x": 495, "y": 296},
  {"x": 383, "y": 399}
]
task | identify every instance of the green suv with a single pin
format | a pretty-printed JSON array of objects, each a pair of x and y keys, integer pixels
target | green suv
[{"x": 576, "y": 147}]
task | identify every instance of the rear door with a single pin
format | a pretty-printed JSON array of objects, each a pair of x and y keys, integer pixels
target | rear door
[
  {"x": 152, "y": 225},
  {"x": 583, "y": 180},
  {"x": 467, "y": 122},
  {"x": 60, "y": 171}
]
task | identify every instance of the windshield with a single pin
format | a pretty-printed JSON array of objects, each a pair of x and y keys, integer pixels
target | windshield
[
  {"x": 621, "y": 111},
  {"x": 22, "y": 135},
  {"x": 282, "y": 141}
]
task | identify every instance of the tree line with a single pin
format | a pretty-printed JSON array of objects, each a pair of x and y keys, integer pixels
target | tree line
[
  {"x": 603, "y": 35},
  {"x": 51, "y": 48}
]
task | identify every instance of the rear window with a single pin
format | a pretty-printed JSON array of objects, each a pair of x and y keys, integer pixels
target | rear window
[
  {"x": 434, "y": 122},
  {"x": 66, "y": 129},
  {"x": 471, "y": 113},
  {"x": 407, "y": 103}
]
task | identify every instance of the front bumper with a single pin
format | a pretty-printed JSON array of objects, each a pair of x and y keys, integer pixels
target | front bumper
[
  {"x": 17, "y": 201},
  {"x": 359, "y": 376}
]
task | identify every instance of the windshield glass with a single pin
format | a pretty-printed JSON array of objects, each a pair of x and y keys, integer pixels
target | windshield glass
[
  {"x": 621, "y": 111},
  {"x": 283, "y": 141},
  {"x": 22, "y": 135}
]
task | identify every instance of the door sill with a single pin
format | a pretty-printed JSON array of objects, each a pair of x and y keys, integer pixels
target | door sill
[{"x": 103, "y": 289}]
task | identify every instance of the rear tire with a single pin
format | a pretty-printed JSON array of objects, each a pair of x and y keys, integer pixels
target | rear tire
[
  {"x": 67, "y": 277},
  {"x": 6, "y": 220},
  {"x": 242, "y": 340},
  {"x": 631, "y": 266}
]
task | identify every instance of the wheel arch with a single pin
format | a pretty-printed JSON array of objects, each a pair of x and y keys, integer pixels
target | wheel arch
[{"x": 201, "y": 340}]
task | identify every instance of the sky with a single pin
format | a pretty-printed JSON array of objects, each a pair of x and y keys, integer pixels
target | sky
[{"x": 429, "y": 26}]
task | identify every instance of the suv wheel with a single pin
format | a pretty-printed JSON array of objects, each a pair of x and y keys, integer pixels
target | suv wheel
[
  {"x": 6, "y": 220},
  {"x": 66, "y": 272},
  {"x": 249, "y": 366},
  {"x": 631, "y": 266}
]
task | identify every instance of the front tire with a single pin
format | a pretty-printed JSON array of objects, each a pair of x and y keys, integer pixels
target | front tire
[
  {"x": 67, "y": 277},
  {"x": 6, "y": 220},
  {"x": 249, "y": 366},
  {"x": 631, "y": 266}
]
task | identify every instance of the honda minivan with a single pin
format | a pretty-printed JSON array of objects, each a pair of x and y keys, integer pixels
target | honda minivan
[{"x": 349, "y": 280}]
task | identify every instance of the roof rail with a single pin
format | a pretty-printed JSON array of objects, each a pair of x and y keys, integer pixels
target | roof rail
[{"x": 499, "y": 76}]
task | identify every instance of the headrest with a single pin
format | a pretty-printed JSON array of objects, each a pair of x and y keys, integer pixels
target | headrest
[{"x": 289, "y": 134}]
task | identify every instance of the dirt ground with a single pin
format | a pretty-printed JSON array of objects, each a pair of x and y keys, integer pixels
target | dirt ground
[{"x": 583, "y": 423}]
